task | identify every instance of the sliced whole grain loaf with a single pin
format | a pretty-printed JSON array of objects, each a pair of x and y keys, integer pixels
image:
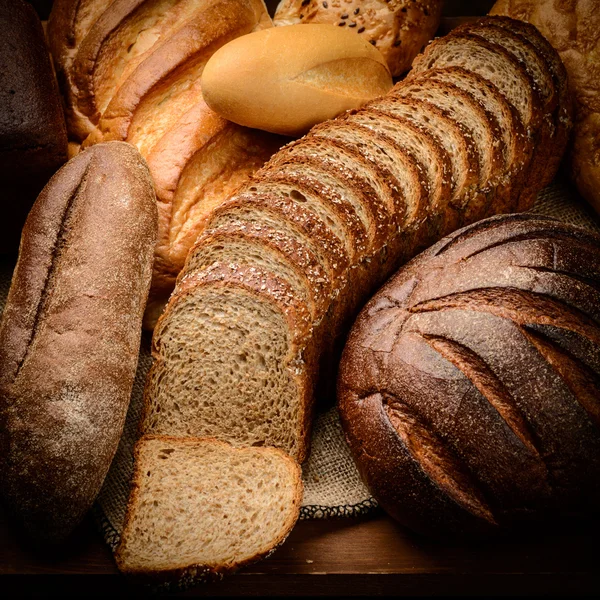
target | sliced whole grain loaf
[
  {"x": 354, "y": 172},
  {"x": 402, "y": 169},
  {"x": 502, "y": 69},
  {"x": 540, "y": 72},
  {"x": 201, "y": 508},
  {"x": 563, "y": 114},
  {"x": 420, "y": 144},
  {"x": 448, "y": 135},
  {"x": 275, "y": 251},
  {"x": 243, "y": 281},
  {"x": 329, "y": 191},
  {"x": 234, "y": 396},
  {"x": 490, "y": 61}
]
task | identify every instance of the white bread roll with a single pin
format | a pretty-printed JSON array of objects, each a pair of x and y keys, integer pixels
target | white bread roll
[{"x": 285, "y": 80}]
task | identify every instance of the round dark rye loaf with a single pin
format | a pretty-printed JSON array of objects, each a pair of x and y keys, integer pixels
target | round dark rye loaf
[
  {"x": 469, "y": 388},
  {"x": 70, "y": 335}
]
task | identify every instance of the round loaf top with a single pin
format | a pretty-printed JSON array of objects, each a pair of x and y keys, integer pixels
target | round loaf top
[{"x": 469, "y": 389}]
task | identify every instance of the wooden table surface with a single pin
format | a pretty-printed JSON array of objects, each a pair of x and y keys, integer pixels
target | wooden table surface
[{"x": 367, "y": 556}]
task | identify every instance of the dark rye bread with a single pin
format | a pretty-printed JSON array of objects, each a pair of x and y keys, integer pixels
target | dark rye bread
[
  {"x": 330, "y": 192},
  {"x": 70, "y": 335},
  {"x": 468, "y": 389},
  {"x": 33, "y": 137}
]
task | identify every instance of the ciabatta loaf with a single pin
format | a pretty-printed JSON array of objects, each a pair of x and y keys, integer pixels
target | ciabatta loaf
[
  {"x": 130, "y": 70},
  {"x": 239, "y": 348}
]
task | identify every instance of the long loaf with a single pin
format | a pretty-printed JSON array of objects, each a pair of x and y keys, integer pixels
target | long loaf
[
  {"x": 70, "y": 335},
  {"x": 270, "y": 287}
]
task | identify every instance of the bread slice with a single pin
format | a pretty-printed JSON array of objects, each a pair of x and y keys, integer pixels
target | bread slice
[
  {"x": 201, "y": 508},
  {"x": 255, "y": 244},
  {"x": 354, "y": 172},
  {"x": 239, "y": 366},
  {"x": 539, "y": 71},
  {"x": 328, "y": 189},
  {"x": 493, "y": 63},
  {"x": 397, "y": 166},
  {"x": 475, "y": 123},
  {"x": 419, "y": 143},
  {"x": 563, "y": 114},
  {"x": 517, "y": 147},
  {"x": 281, "y": 213},
  {"x": 448, "y": 135}
]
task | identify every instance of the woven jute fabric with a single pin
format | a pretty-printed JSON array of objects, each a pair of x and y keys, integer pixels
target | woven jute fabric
[{"x": 332, "y": 485}]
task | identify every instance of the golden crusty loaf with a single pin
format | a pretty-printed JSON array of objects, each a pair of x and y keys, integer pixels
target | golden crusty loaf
[
  {"x": 70, "y": 335},
  {"x": 398, "y": 28},
  {"x": 227, "y": 507},
  {"x": 130, "y": 70},
  {"x": 573, "y": 29},
  {"x": 239, "y": 348},
  {"x": 287, "y": 79},
  {"x": 33, "y": 138},
  {"x": 469, "y": 390}
]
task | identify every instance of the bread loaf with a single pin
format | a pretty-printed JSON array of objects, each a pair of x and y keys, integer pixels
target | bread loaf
[
  {"x": 398, "y": 29},
  {"x": 468, "y": 390},
  {"x": 268, "y": 293},
  {"x": 574, "y": 30},
  {"x": 130, "y": 70},
  {"x": 285, "y": 80},
  {"x": 70, "y": 335},
  {"x": 33, "y": 139}
]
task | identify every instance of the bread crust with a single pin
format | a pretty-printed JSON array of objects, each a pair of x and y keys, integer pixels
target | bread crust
[
  {"x": 398, "y": 29},
  {"x": 447, "y": 345},
  {"x": 70, "y": 334}
]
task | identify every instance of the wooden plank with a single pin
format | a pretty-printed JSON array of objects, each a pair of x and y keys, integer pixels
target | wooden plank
[{"x": 347, "y": 556}]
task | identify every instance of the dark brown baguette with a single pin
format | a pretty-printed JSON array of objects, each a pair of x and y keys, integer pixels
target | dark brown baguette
[
  {"x": 33, "y": 136},
  {"x": 468, "y": 389},
  {"x": 70, "y": 334}
]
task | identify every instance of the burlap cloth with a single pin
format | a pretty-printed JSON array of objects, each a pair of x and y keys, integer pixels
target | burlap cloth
[{"x": 332, "y": 486}]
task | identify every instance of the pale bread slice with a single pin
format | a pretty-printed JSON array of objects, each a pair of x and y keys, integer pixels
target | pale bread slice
[{"x": 200, "y": 508}]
